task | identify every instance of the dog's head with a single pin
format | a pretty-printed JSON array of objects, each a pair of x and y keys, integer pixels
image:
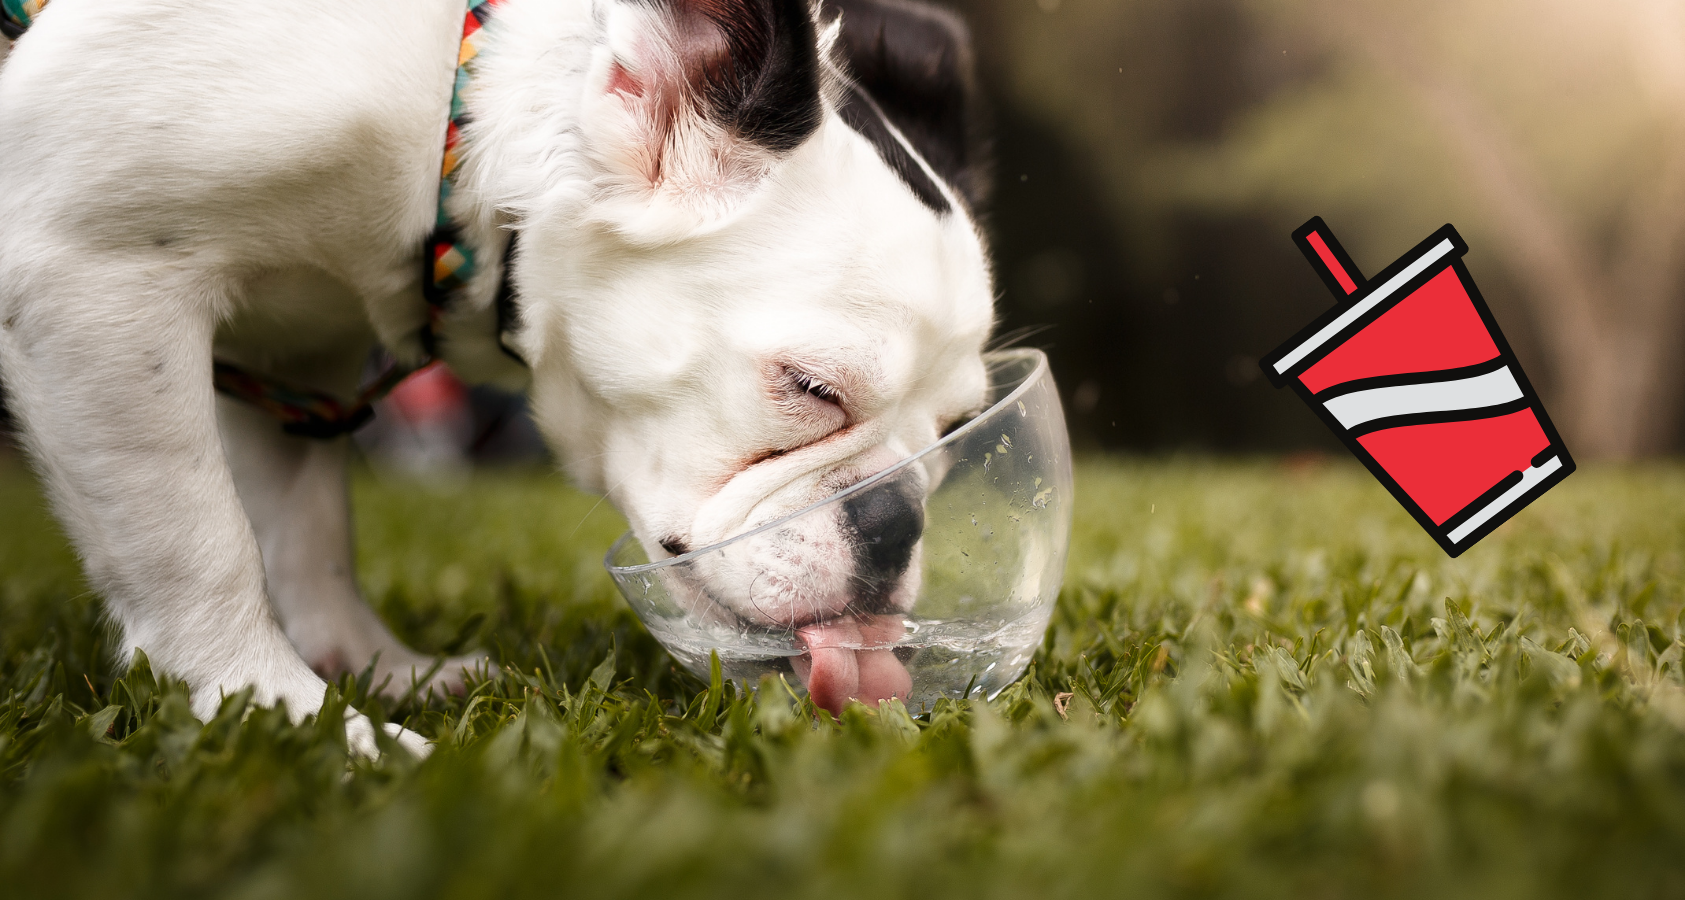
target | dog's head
[{"x": 761, "y": 281}]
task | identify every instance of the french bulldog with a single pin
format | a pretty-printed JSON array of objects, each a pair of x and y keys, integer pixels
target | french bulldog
[{"x": 747, "y": 272}]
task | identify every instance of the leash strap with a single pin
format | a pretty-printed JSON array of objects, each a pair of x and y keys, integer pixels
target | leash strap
[{"x": 308, "y": 413}]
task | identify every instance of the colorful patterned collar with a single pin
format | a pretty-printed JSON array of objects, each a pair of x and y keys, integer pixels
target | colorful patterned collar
[
  {"x": 15, "y": 15},
  {"x": 449, "y": 263},
  {"x": 449, "y": 260}
]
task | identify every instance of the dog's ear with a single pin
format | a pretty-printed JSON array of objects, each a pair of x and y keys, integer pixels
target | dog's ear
[
  {"x": 693, "y": 101},
  {"x": 915, "y": 61}
]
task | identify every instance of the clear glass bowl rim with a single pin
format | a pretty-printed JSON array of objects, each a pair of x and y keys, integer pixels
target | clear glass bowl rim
[{"x": 1036, "y": 375}]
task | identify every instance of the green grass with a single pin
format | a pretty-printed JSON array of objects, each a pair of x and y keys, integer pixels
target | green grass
[{"x": 1278, "y": 687}]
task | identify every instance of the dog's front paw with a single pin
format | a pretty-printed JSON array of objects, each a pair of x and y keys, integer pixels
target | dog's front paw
[
  {"x": 302, "y": 693},
  {"x": 360, "y": 737},
  {"x": 418, "y": 746}
]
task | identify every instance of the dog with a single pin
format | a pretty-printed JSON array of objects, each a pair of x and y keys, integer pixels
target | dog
[{"x": 736, "y": 245}]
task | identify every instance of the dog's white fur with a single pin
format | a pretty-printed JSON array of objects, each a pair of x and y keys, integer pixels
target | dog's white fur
[{"x": 185, "y": 178}]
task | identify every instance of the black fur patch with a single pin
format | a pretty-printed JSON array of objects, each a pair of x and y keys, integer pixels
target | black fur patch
[
  {"x": 508, "y": 313},
  {"x": 915, "y": 62},
  {"x": 765, "y": 86},
  {"x": 863, "y": 115}
]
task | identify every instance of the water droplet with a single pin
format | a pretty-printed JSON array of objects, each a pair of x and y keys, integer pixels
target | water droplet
[
  {"x": 1007, "y": 441},
  {"x": 1021, "y": 410}
]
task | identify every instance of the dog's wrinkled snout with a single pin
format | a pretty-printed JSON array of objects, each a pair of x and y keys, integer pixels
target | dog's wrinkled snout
[{"x": 884, "y": 525}]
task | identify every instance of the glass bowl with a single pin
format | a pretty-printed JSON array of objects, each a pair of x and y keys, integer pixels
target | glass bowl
[{"x": 983, "y": 576}]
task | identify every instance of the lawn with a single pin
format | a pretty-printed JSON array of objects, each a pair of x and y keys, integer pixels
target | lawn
[{"x": 1263, "y": 680}]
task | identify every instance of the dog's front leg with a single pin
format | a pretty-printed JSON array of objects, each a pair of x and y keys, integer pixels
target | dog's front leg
[
  {"x": 294, "y": 490},
  {"x": 109, "y": 370}
]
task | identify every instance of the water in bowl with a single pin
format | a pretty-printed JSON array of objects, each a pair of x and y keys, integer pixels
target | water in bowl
[{"x": 945, "y": 657}]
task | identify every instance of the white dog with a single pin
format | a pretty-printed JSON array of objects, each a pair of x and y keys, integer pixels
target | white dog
[{"x": 740, "y": 283}]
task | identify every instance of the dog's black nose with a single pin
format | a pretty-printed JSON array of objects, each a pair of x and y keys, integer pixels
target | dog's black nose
[{"x": 885, "y": 523}]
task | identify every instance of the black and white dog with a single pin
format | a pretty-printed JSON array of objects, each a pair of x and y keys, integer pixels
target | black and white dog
[{"x": 748, "y": 273}]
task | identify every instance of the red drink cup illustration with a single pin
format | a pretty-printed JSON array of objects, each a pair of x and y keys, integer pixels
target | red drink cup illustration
[{"x": 1413, "y": 374}]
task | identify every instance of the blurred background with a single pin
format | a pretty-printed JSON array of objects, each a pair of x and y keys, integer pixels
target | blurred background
[
  {"x": 1153, "y": 156},
  {"x": 1156, "y": 154}
]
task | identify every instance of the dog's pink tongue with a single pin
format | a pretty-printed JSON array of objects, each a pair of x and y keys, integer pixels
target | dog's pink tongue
[
  {"x": 835, "y": 674},
  {"x": 882, "y": 674}
]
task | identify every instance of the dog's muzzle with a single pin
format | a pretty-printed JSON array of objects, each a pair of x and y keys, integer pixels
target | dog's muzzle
[{"x": 934, "y": 577}]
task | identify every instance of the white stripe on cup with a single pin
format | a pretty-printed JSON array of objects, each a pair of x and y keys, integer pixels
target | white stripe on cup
[
  {"x": 1475, "y": 392},
  {"x": 1529, "y": 478},
  {"x": 1362, "y": 306}
]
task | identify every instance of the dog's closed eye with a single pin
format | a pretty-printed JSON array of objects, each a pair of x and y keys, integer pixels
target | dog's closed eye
[
  {"x": 813, "y": 387},
  {"x": 815, "y": 403}
]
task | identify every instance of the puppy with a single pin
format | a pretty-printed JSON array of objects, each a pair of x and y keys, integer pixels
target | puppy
[{"x": 747, "y": 273}]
